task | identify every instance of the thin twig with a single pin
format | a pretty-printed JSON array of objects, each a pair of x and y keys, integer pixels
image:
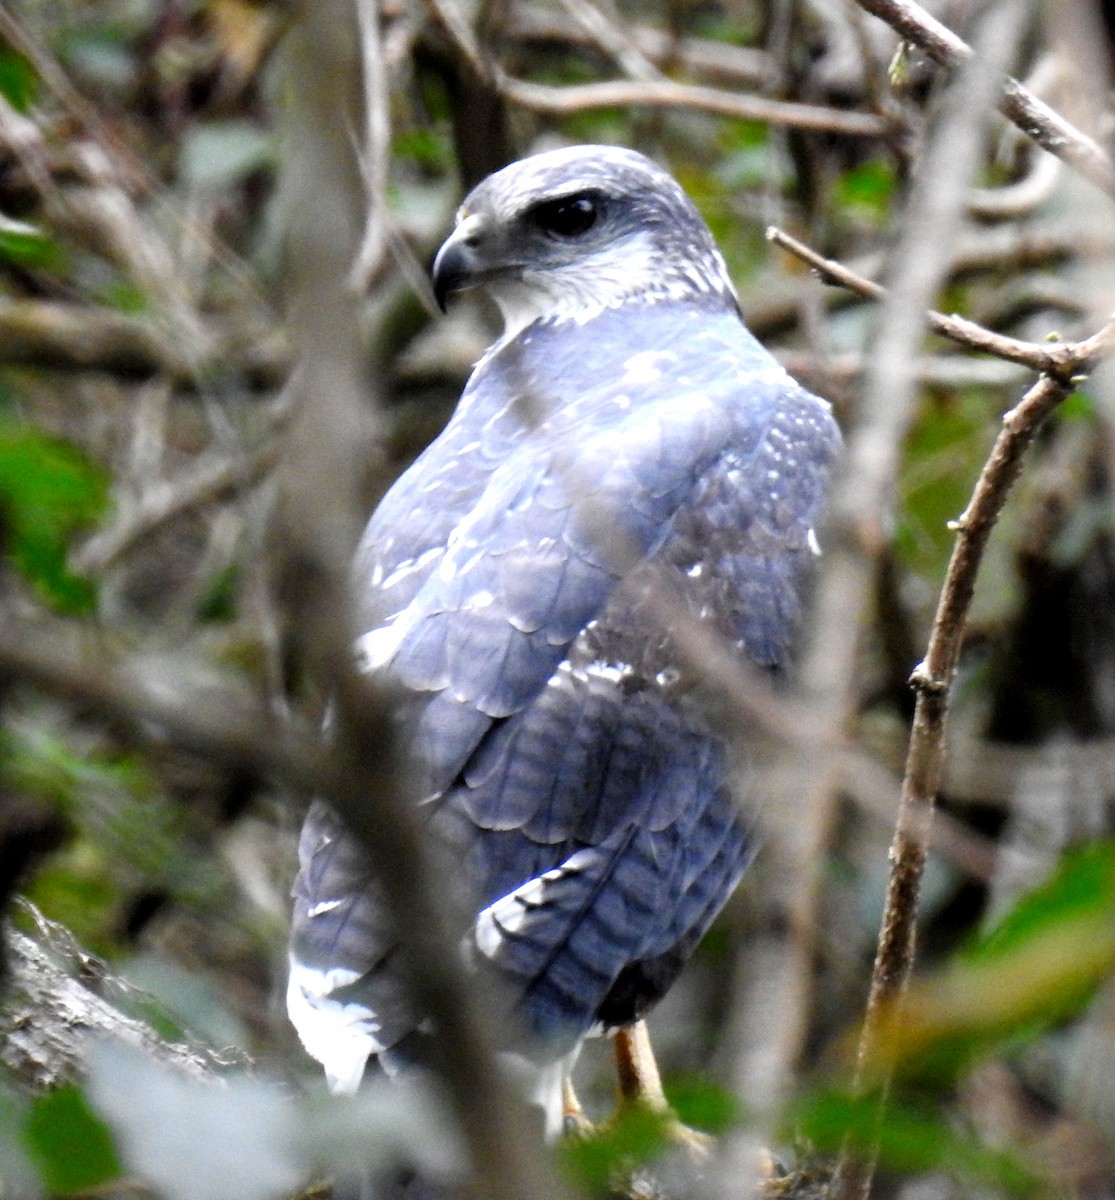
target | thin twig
[
  {"x": 925, "y": 761},
  {"x": 204, "y": 483},
  {"x": 101, "y": 212},
  {"x": 1016, "y": 200},
  {"x": 113, "y": 160},
  {"x": 1055, "y": 359},
  {"x": 942, "y": 370},
  {"x": 616, "y": 43},
  {"x": 463, "y": 35},
  {"x": 59, "y": 336},
  {"x": 857, "y": 531},
  {"x": 702, "y": 57},
  {"x": 1033, "y": 116},
  {"x": 375, "y": 152},
  {"x": 665, "y": 93}
]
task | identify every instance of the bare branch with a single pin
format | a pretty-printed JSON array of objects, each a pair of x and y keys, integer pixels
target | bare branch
[
  {"x": 464, "y": 37},
  {"x": 59, "y": 1000},
  {"x": 42, "y": 333},
  {"x": 942, "y": 370},
  {"x": 320, "y": 516},
  {"x": 101, "y": 212},
  {"x": 665, "y": 93},
  {"x": 616, "y": 43},
  {"x": 1055, "y": 359},
  {"x": 376, "y": 148},
  {"x": 1033, "y": 116},
  {"x": 60, "y": 336},
  {"x": 778, "y": 304},
  {"x": 204, "y": 483},
  {"x": 925, "y": 760},
  {"x": 1017, "y": 200},
  {"x": 703, "y": 57}
]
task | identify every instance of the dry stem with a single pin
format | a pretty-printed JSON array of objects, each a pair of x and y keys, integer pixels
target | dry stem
[
  {"x": 1033, "y": 116},
  {"x": 1059, "y": 359},
  {"x": 664, "y": 93}
]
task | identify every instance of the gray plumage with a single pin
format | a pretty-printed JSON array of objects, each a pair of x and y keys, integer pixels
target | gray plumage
[{"x": 627, "y": 439}]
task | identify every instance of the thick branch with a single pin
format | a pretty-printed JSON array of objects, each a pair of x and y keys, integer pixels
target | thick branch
[
  {"x": 320, "y": 481},
  {"x": 57, "y": 1000},
  {"x": 41, "y": 333}
]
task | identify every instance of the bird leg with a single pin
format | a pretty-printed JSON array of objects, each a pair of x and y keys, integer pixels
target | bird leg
[
  {"x": 641, "y": 1083},
  {"x": 639, "y": 1079}
]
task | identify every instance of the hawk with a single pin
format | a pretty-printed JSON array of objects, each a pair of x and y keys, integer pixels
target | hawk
[{"x": 625, "y": 457}]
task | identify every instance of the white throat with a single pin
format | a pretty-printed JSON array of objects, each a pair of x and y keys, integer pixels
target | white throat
[{"x": 613, "y": 275}]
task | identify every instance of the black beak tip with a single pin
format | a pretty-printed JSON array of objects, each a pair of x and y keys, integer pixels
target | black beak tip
[
  {"x": 451, "y": 272},
  {"x": 441, "y": 293}
]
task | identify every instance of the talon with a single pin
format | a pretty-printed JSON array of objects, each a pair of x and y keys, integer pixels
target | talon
[
  {"x": 769, "y": 1166},
  {"x": 574, "y": 1123}
]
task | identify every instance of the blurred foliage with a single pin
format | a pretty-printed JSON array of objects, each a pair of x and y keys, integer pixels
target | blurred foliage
[
  {"x": 71, "y": 1146},
  {"x": 25, "y": 246},
  {"x": 19, "y": 82},
  {"x": 139, "y": 143},
  {"x": 48, "y": 490},
  {"x": 602, "y": 1160},
  {"x": 911, "y": 1139},
  {"x": 128, "y": 835}
]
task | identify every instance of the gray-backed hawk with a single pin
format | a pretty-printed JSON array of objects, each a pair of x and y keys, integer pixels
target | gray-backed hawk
[{"x": 625, "y": 456}]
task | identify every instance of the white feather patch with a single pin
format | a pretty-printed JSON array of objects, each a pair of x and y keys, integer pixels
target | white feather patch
[
  {"x": 340, "y": 1036},
  {"x": 505, "y": 917},
  {"x": 377, "y": 647},
  {"x": 543, "y": 1085},
  {"x": 646, "y": 367}
]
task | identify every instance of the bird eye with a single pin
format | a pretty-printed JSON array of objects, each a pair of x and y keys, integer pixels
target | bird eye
[{"x": 566, "y": 218}]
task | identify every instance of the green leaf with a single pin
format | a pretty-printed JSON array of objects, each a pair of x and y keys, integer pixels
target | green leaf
[
  {"x": 124, "y": 296},
  {"x": 1040, "y": 965},
  {"x": 26, "y": 245},
  {"x": 898, "y": 72},
  {"x": 428, "y": 146},
  {"x": 19, "y": 81},
  {"x": 126, "y": 834},
  {"x": 1079, "y": 895},
  {"x": 48, "y": 490},
  {"x": 869, "y": 190},
  {"x": 1079, "y": 406},
  {"x": 69, "y": 1143},
  {"x": 702, "y": 1104},
  {"x": 219, "y": 600},
  {"x": 635, "y": 1136}
]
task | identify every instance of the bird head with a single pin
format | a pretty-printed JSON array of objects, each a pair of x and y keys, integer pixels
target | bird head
[{"x": 564, "y": 233}]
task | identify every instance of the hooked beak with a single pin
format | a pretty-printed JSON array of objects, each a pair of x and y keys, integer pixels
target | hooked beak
[{"x": 457, "y": 266}]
